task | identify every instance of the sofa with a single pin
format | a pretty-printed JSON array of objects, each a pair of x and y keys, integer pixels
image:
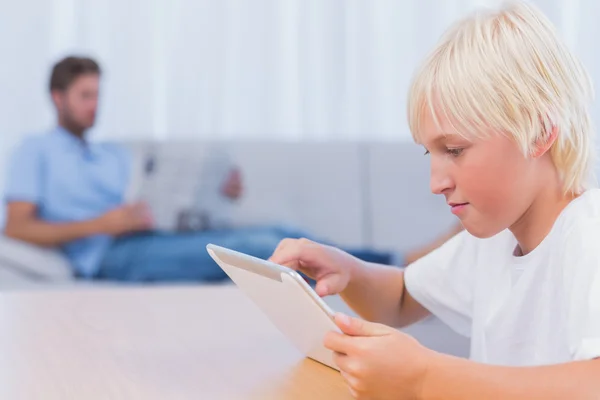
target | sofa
[{"x": 354, "y": 194}]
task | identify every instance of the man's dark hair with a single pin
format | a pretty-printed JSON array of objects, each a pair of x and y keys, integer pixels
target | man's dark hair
[{"x": 70, "y": 68}]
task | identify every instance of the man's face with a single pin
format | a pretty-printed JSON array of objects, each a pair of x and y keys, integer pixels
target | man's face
[
  {"x": 78, "y": 104},
  {"x": 488, "y": 183}
]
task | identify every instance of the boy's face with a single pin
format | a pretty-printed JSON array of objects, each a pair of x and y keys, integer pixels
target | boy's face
[{"x": 488, "y": 183}]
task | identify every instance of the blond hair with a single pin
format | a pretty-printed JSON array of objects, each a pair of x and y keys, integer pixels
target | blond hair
[{"x": 507, "y": 71}]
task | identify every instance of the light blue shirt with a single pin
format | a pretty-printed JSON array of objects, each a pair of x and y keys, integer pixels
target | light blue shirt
[{"x": 70, "y": 180}]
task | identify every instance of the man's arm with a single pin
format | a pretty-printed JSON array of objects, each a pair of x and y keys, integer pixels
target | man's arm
[
  {"x": 23, "y": 190},
  {"x": 415, "y": 254},
  {"x": 23, "y": 224},
  {"x": 452, "y": 378}
]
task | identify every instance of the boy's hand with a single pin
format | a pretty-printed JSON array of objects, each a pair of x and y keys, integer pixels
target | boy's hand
[
  {"x": 378, "y": 362},
  {"x": 330, "y": 267},
  {"x": 125, "y": 219}
]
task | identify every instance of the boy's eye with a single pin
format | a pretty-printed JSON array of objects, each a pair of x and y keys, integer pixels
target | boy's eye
[{"x": 454, "y": 152}]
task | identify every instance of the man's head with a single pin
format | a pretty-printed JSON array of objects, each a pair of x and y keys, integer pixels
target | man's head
[
  {"x": 502, "y": 107},
  {"x": 74, "y": 85}
]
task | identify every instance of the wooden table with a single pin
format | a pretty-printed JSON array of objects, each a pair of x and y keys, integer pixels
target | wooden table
[{"x": 151, "y": 343}]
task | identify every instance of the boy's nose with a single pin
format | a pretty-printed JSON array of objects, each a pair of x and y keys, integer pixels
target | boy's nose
[{"x": 440, "y": 182}]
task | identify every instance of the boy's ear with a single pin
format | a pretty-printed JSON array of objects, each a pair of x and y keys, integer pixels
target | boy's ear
[{"x": 545, "y": 142}]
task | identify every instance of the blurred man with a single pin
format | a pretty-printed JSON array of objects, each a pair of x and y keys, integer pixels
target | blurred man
[
  {"x": 427, "y": 248},
  {"x": 66, "y": 192}
]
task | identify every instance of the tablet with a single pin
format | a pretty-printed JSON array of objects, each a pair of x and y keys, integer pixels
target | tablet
[{"x": 286, "y": 299}]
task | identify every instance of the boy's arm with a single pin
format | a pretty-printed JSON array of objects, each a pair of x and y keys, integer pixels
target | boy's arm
[
  {"x": 452, "y": 378},
  {"x": 381, "y": 362},
  {"x": 398, "y": 298},
  {"x": 377, "y": 293}
]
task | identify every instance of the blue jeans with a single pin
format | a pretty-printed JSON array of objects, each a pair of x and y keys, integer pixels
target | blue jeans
[{"x": 169, "y": 257}]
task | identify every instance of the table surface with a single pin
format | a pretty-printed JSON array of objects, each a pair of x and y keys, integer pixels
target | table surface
[{"x": 151, "y": 343}]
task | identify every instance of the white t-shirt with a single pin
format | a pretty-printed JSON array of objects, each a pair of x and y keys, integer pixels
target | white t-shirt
[{"x": 538, "y": 309}]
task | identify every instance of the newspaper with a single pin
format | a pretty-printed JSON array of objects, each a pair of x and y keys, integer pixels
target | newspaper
[{"x": 182, "y": 185}]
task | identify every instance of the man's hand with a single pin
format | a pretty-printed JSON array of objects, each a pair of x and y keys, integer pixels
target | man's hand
[
  {"x": 233, "y": 188},
  {"x": 126, "y": 219},
  {"x": 378, "y": 362}
]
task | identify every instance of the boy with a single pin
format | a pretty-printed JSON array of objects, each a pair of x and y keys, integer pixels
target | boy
[{"x": 501, "y": 107}]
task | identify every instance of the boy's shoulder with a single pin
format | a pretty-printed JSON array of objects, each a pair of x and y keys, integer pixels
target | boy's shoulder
[
  {"x": 582, "y": 214},
  {"x": 578, "y": 227}
]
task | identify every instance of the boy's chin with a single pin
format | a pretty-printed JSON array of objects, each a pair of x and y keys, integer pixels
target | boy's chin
[{"x": 480, "y": 230}]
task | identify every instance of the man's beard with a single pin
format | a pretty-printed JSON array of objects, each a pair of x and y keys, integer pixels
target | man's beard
[{"x": 72, "y": 125}]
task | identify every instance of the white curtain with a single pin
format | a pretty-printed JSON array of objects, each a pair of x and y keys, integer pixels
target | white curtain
[
  {"x": 239, "y": 69},
  {"x": 283, "y": 69}
]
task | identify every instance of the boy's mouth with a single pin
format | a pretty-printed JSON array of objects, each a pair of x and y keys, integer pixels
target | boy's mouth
[{"x": 457, "y": 208}]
